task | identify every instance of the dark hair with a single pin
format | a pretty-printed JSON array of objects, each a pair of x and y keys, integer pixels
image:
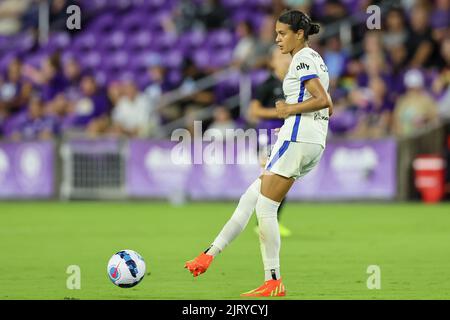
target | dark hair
[
  {"x": 248, "y": 26},
  {"x": 55, "y": 61},
  {"x": 298, "y": 20}
]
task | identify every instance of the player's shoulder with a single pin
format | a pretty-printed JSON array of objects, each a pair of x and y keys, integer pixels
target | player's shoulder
[{"x": 307, "y": 54}]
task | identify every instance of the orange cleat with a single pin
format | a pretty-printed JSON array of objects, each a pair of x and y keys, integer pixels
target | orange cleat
[
  {"x": 270, "y": 288},
  {"x": 199, "y": 265}
]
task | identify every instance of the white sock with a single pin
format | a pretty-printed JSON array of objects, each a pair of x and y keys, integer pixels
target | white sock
[
  {"x": 270, "y": 242},
  {"x": 238, "y": 220}
]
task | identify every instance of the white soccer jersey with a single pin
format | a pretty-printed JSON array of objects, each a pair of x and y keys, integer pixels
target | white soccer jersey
[{"x": 308, "y": 127}]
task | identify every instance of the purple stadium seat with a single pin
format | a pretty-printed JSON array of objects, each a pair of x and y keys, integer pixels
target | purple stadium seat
[
  {"x": 104, "y": 23},
  {"x": 85, "y": 42},
  {"x": 22, "y": 42},
  {"x": 241, "y": 15},
  {"x": 174, "y": 77},
  {"x": 233, "y": 3},
  {"x": 58, "y": 41},
  {"x": 258, "y": 76},
  {"x": 142, "y": 80},
  {"x": 139, "y": 41},
  {"x": 153, "y": 4},
  {"x": 267, "y": 4},
  {"x": 219, "y": 38},
  {"x": 95, "y": 5},
  {"x": 164, "y": 41},
  {"x": 119, "y": 59},
  {"x": 201, "y": 58},
  {"x": 122, "y": 4},
  {"x": 101, "y": 77},
  {"x": 113, "y": 41},
  {"x": 11, "y": 123},
  {"x": 173, "y": 59},
  {"x": 191, "y": 40},
  {"x": 257, "y": 20},
  {"x": 91, "y": 60},
  {"x": 137, "y": 62},
  {"x": 221, "y": 58},
  {"x": 133, "y": 21}
]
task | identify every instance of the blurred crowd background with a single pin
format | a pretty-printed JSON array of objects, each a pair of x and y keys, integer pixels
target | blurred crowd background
[{"x": 116, "y": 75}]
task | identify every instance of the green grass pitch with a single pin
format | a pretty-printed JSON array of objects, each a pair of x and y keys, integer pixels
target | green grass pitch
[{"x": 326, "y": 258}]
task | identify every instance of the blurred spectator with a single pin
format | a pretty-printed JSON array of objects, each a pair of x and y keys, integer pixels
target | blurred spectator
[
  {"x": 264, "y": 43},
  {"x": 191, "y": 14},
  {"x": 134, "y": 115},
  {"x": 396, "y": 32},
  {"x": 334, "y": 58},
  {"x": 157, "y": 74},
  {"x": 212, "y": 14},
  {"x": 373, "y": 48},
  {"x": 114, "y": 92},
  {"x": 302, "y": 5},
  {"x": 345, "y": 115},
  {"x": 158, "y": 83},
  {"x": 14, "y": 90},
  {"x": 441, "y": 85},
  {"x": 440, "y": 19},
  {"x": 415, "y": 110},
  {"x": 334, "y": 11},
  {"x": 222, "y": 125},
  {"x": 374, "y": 108},
  {"x": 184, "y": 16},
  {"x": 35, "y": 124},
  {"x": 243, "y": 52},
  {"x": 11, "y": 12},
  {"x": 49, "y": 77},
  {"x": 420, "y": 44},
  {"x": 72, "y": 73},
  {"x": 262, "y": 106},
  {"x": 193, "y": 99},
  {"x": 91, "y": 105}
]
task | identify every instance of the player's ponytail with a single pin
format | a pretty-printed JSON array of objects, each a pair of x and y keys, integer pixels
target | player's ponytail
[
  {"x": 298, "y": 20},
  {"x": 314, "y": 29}
]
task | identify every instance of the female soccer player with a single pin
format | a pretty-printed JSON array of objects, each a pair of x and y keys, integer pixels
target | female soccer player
[
  {"x": 262, "y": 109},
  {"x": 300, "y": 144}
]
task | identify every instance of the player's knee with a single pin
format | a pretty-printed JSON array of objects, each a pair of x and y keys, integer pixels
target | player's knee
[{"x": 266, "y": 208}]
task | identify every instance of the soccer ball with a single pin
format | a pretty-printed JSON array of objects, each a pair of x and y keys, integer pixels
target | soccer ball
[{"x": 126, "y": 268}]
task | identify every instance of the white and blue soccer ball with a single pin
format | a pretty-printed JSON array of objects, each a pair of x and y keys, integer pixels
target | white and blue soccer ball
[{"x": 126, "y": 268}]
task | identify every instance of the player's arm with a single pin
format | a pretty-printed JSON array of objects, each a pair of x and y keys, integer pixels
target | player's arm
[
  {"x": 319, "y": 100},
  {"x": 330, "y": 105},
  {"x": 257, "y": 110}
]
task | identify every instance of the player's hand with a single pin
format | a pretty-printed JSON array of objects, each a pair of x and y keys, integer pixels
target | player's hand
[
  {"x": 253, "y": 110},
  {"x": 283, "y": 110}
]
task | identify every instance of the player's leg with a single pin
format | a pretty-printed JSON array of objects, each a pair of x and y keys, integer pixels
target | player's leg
[
  {"x": 284, "y": 231},
  {"x": 274, "y": 188},
  {"x": 230, "y": 231},
  {"x": 238, "y": 220}
]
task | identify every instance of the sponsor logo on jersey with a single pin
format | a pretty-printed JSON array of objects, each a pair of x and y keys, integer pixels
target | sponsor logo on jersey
[
  {"x": 302, "y": 66},
  {"x": 318, "y": 116},
  {"x": 324, "y": 68}
]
